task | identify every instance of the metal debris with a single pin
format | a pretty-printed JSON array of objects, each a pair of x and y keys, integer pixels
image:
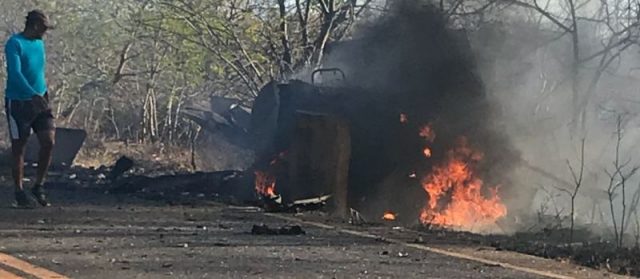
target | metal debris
[{"x": 356, "y": 218}]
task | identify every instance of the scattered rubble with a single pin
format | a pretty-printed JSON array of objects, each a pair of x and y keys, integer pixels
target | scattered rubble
[
  {"x": 355, "y": 218},
  {"x": 275, "y": 204},
  {"x": 184, "y": 187},
  {"x": 123, "y": 165},
  {"x": 286, "y": 230}
]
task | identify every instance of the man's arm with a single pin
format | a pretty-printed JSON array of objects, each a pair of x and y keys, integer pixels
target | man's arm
[{"x": 14, "y": 68}]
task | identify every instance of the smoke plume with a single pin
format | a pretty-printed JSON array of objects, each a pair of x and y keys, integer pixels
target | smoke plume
[{"x": 412, "y": 63}]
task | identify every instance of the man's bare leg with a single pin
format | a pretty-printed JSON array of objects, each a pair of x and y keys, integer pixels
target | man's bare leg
[
  {"x": 18, "y": 148},
  {"x": 46, "y": 140}
]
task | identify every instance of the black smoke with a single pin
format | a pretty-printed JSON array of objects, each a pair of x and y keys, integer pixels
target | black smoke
[{"x": 410, "y": 61}]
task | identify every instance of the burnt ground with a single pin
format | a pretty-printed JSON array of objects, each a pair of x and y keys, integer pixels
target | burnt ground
[
  {"x": 90, "y": 234},
  {"x": 590, "y": 251}
]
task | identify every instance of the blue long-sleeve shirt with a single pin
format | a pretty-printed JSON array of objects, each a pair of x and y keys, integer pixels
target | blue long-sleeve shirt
[{"x": 25, "y": 68}]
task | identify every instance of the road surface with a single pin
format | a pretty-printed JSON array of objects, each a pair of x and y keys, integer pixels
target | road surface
[{"x": 88, "y": 234}]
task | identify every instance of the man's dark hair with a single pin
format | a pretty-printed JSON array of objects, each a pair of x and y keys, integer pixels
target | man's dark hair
[{"x": 37, "y": 16}]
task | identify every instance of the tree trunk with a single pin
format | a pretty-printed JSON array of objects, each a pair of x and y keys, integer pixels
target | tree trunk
[
  {"x": 168, "y": 126},
  {"x": 285, "y": 65},
  {"x": 325, "y": 32},
  {"x": 575, "y": 74}
]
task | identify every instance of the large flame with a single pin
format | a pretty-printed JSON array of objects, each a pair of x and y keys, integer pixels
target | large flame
[
  {"x": 455, "y": 194},
  {"x": 265, "y": 184}
]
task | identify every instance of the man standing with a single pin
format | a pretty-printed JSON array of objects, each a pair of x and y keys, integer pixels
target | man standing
[{"x": 27, "y": 103}]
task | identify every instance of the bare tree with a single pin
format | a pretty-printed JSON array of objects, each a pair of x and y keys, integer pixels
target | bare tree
[
  {"x": 287, "y": 60},
  {"x": 577, "y": 180},
  {"x": 617, "y": 26},
  {"x": 637, "y": 229},
  {"x": 550, "y": 198},
  {"x": 633, "y": 215},
  {"x": 618, "y": 181}
]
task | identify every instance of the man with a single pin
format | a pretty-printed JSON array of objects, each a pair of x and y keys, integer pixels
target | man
[{"x": 27, "y": 103}]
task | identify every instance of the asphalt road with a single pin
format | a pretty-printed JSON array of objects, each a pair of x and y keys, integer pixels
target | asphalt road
[{"x": 87, "y": 234}]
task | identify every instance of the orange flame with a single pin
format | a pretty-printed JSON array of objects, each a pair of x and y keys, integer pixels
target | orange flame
[
  {"x": 427, "y": 152},
  {"x": 455, "y": 194},
  {"x": 265, "y": 184},
  {"x": 427, "y": 133},
  {"x": 389, "y": 216},
  {"x": 403, "y": 118}
]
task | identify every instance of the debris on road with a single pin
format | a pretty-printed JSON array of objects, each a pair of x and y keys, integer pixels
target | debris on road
[
  {"x": 286, "y": 230},
  {"x": 312, "y": 204},
  {"x": 356, "y": 218},
  {"x": 122, "y": 165},
  {"x": 275, "y": 204},
  {"x": 403, "y": 254},
  {"x": 183, "y": 186}
]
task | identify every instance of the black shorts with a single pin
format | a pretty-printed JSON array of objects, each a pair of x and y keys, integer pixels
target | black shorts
[{"x": 26, "y": 115}]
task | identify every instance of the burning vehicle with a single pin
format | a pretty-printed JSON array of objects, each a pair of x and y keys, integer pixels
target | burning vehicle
[
  {"x": 422, "y": 138},
  {"x": 408, "y": 133},
  {"x": 396, "y": 160}
]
